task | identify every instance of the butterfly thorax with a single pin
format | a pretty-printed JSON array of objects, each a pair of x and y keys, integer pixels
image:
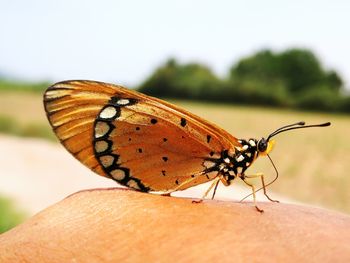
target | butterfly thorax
[{"x": 234, "y": 162}]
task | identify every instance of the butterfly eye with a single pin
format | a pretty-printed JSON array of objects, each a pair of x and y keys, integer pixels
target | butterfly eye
[{"x": 262, "y": 145}]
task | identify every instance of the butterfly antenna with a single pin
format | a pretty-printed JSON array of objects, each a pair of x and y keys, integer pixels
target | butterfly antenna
[{"x": 298, "y": 125}]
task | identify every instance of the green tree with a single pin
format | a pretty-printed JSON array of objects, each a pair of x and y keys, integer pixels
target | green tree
[
  {"x": 292, "y": 77},
  {"x": 318, "y": 98},
  {"x": 334, "y": 81},
  {"x": 256, "y": 79},
  {"x": 300, "y": 69},
  {"x": 193, "y": 81},
  {"x": 262, "y": 65}
]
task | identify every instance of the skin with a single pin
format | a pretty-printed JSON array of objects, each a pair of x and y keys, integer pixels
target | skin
[{"x": 116, "y": 225}]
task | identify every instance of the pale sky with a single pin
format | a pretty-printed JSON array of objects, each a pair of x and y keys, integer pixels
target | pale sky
[{"x": 123, "y": 41}]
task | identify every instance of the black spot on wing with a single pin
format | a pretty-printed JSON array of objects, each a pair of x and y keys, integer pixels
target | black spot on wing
[
  {"x": 208, "y": 138},
  {"x": 183, "y": 122}
]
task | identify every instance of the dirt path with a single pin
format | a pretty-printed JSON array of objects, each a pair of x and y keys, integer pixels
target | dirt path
[{"x": 38, "y": 173}]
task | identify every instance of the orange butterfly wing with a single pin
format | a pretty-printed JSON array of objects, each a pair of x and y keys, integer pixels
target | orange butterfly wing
[{"x": 140, "y": 141}]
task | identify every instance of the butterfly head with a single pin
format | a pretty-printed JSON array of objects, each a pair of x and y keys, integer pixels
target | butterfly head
[{"x": 265, "y": 146}]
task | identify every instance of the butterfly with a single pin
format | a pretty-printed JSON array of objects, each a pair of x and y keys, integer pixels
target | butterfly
[{"x": 146, "y": 143}]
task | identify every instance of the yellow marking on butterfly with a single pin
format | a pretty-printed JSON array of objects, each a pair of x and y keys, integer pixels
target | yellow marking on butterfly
[{"x": 270, "y": 146}]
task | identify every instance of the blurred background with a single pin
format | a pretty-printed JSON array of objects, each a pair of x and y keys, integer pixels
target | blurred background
[{"x": 249, "y": 67}]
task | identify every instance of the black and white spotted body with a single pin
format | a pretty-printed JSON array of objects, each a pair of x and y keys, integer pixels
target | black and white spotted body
[{"x": 233, "y": 163}]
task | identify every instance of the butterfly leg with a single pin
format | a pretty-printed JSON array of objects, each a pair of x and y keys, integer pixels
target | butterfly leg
[
  {"x": 261, "y": 175},
  {"x": 216, "y": 187},
  {"x": 254, "y": 197},
  {"x": 215, "y": 183}
]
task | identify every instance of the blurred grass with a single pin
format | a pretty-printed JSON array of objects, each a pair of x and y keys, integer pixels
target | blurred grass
[
  {"x": 10, "y": 216},
  {"x": 22, "y": 114},
  {"x": 313, "y": 163},
  {"x": 22, "y": 86},
  {"x": 9, "y": 125}
]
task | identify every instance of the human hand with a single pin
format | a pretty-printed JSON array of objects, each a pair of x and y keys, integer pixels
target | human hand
[{"x": 120, "y": 225}]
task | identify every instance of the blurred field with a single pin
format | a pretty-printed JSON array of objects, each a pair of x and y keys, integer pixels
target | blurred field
[
  {"x": 22, "y": 114},
  {"x": 313, "y": 163},
  {"x": 10, "y": 214}
]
